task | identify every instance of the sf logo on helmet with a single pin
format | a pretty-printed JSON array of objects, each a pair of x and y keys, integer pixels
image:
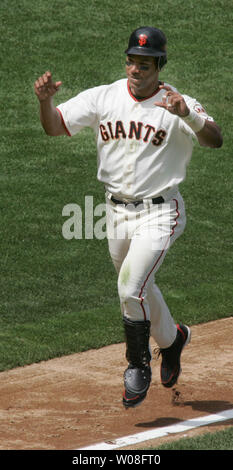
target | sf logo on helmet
[{"x": 142, "y": 39}]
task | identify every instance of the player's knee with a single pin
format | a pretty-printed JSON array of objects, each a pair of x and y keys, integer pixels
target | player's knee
[{"x": 127, "y": 292}]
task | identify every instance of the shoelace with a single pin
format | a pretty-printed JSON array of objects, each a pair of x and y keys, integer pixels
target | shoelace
[
  {"x": 157, "y": 352},
  {"x": 165, "y": 353}
]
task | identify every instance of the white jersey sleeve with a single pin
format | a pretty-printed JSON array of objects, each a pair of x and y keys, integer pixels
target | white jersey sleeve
[
  {"x": 80, "y": 111},
  {"x": 193, "y": 104}
]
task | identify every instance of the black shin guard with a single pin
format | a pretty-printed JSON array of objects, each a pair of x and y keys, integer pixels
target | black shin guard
[
  {"x": 137, "y": 376},
  {"x": 137, "y": 334}
]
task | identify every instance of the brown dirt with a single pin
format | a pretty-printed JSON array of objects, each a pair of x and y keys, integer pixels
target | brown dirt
[{"x": 75, "y": 401}]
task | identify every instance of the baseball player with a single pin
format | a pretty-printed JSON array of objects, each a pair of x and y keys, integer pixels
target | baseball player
[{"x": 144, "y": 132}]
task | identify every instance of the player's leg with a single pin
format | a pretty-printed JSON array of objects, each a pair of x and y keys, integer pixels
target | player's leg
[
  {"x": 142, "y": 304},
  {"x": 137, "y": 334},
  {"x": 170, "y": 352},
  {"x": 160, "y": 315},
  {"x": 135, "y": 275}
]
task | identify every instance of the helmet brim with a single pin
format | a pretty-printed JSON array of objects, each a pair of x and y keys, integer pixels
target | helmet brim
[{"x": 144, "y": 51}]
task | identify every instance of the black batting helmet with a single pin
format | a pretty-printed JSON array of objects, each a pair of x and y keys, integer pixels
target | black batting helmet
[{"x": 149, "y": 41}]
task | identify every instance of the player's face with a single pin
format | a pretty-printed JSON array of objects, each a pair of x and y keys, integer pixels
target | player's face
[{"x": 142, "y": 74}]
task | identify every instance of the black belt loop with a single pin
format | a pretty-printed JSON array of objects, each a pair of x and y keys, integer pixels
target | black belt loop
[
  {"x": 155, "y": 200},
  {"x": 158, "y": 200}
]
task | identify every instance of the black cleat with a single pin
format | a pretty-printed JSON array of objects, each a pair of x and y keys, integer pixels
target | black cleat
[
  {"x": 170, "y": 367},
  {"x": 137, "y": 382}
]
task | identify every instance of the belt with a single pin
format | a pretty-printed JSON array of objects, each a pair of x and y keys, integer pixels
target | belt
[{"x": 155, "y": 200}]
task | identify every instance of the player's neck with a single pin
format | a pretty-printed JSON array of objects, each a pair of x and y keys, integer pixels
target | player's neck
[{"x": 143, "y": 94}]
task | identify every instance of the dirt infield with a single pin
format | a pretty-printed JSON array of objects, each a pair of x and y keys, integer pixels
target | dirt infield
[{"x": 75, "y": 401}]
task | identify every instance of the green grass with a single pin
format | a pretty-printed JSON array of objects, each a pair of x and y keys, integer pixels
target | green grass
[
  {"x": 220, "y": 440},
  {"x": 60, "y": 333},
  {"x": 60, "y": 296}
]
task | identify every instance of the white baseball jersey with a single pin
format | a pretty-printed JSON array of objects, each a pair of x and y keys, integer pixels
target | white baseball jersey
[{"x": 143, "y": 150}]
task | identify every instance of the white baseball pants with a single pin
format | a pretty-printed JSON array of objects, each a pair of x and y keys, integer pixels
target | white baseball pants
[{"x": 138, "y": 239}]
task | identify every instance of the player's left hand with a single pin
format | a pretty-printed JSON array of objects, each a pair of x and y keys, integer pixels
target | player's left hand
[{"x": 173, "y": 102}]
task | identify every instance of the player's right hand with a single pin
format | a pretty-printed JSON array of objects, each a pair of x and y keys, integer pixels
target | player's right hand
[{"x": 45, "y": 88}]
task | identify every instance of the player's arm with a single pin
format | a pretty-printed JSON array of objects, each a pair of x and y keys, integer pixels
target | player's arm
[
  {"x": 50, "y": 118},
  {"x": 210, "y": 135},
  {"x": 207, "y": 132}
]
